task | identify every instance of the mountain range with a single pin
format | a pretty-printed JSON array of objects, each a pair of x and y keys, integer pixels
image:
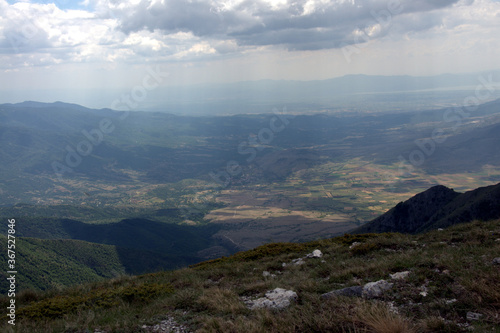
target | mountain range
[
  {"x": 320, "y": 176},
  {"x": 38, "y": 138}
]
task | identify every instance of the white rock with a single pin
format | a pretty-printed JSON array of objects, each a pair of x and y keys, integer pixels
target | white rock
[
  {"x": 354, "y": 245},
  {"x": 278, "y": 298},
  {"x": 267, "y": 274},
  {"x": 400, "y": 275},
  {"x": 315, "y": 254},
  {"x": 424, "y": 291},
  {"x": 376, "y": 289},
  {"x": 496, "y": 261}
]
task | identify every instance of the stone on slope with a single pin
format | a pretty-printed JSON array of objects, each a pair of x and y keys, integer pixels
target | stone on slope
[
  {"x": 376, "y": 289},
  {"x": 298, "y": 261},
  {"x": 268, "y": 274},
  {"x": 400, "y": 275},
  {"x": 278, "y": 298},
  {"x": 315, "y": 254}
]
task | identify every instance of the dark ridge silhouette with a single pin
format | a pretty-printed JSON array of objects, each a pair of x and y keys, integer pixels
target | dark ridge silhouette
[{"x": 437, "y": 207}]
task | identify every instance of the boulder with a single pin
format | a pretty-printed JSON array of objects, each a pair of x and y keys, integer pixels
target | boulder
[
  {"x": 315, "y": 254},
  {"x": 376, "y": 289},
  {"x": 496, "y": 261},
  {"x": 278, "y": 299}
]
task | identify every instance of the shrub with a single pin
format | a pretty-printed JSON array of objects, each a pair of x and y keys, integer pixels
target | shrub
[{"x": 362, "y": 249}]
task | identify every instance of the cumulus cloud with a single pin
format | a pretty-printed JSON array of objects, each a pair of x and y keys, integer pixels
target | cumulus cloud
[
  {"x": 172, "y": 30},
  {"x": 40, "y": 34},
  {"x": 294, "y": 24},
  {"x": 43, "y": 34}
]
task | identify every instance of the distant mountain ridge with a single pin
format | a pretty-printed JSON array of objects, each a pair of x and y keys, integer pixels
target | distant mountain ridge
[
  {"x": 437, "y": 207},
  {"x": 255, "y": 96}
]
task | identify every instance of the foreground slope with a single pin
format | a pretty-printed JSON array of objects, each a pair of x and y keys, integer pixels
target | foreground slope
[
  {"x": 438, "y": 207},
  {"x": 451, "y": 286}
]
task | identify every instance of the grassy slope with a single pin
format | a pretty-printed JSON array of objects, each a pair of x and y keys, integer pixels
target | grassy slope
[
  {"x": 45, "y": 264},
  {"x": 454, "y": 267},
  {"x": 56, "y": 263}
]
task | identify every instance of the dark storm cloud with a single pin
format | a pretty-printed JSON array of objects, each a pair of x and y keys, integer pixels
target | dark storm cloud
[
  {"x": 297, "y": 25},
  {"x": 172, "y": 16}
]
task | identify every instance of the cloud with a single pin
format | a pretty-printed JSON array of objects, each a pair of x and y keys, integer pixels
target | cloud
[
  {"x": 293, "y": 24},
  {"x": 139, "y": 31},
  {"x": 34, "y": 34},
  {"x": 43, "y": 34}
]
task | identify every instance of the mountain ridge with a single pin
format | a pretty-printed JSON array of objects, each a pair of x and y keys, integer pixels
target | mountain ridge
[{"x": 437, "y": 207}]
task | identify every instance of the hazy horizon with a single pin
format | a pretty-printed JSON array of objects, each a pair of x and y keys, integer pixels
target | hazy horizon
[
  {"x": 260, "y": 96},
  {"x": 82, "y": 52}
]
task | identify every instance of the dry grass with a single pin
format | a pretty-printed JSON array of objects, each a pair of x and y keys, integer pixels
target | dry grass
[
  {"x": 379, "y": 319},
  {"x": 221, "y": 301}
]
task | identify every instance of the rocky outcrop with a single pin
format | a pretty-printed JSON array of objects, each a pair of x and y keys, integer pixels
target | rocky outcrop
[
  {"x": 369, "y": 290},
  {"x": 277, "y": 299},
  {"x": 300, "y": 261}
]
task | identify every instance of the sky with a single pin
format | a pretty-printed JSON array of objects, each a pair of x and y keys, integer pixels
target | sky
[{"x": 69, "y": 48}]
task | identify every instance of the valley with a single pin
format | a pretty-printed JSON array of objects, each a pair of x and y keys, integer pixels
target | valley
[{"x": 228, "y": 183}]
